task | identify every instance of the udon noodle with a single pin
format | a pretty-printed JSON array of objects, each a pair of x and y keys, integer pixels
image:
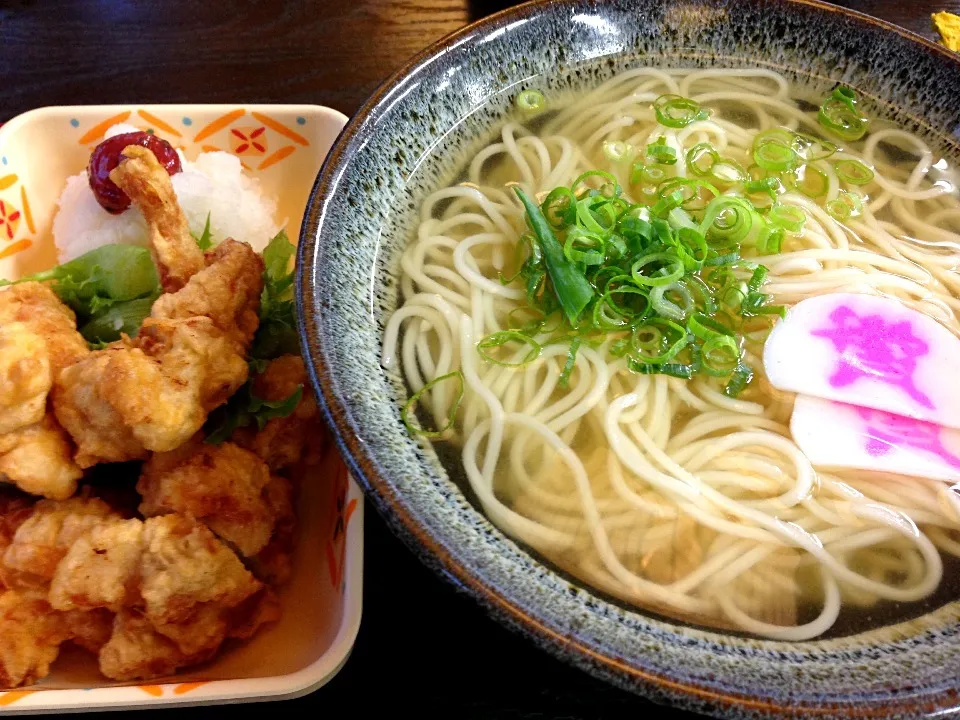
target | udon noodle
[{"x": 658, "y": 490}]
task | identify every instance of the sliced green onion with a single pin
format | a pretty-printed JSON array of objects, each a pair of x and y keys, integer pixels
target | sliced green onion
[
  {"x": 704, "y": 327},
  {"x": 728, "y": 172},
  {"x": 661, "y": 153},
  {"x": 720, "y": 355},
  {"x": 812, "y": 148},
  {"x": 623, "y": 315},
  {"x": 701, "y": 157},
  {"x": 727, "y": 219},
  {"x": 789, "y": 217},
  {"x": 692, "y": 189},
  {"x": 669, "y": 352},
  {"x": 773, "y": 150},
  {"x": 667, "y": 203},
  {"x": 675, "y": 111},
  {"x": 617, "y": 151},
  {"x": 670, "y": 272},
  {"x": 503, "y": 337},
  {"x": 650, "y": 174},
  {"x": 853, "y": 172},
  {"x": 570, "y": 363},
  {"x": 757, "y": 278},
  {"x": 845, "y": 206},
  {"x": 770, "y": 240},
  {"x": 667, "y": 307},
  {"x": 560, "y": 207},
  {"x": 408, "y": 408},
  {"x": 677, "y": 370},
  {"x": 531, "y": 101},
  {"x": 571, "y": 287},
  {"x": 583, "y": 247},
  {"x": 528, "y": 326},
  {"x": 766, "y": 186},
  {"x": 839, "y": 115},
  {"x": 739, "y": 379},
  {"x": 810, "y": 180},
  {"x": 611, "y": 188}
]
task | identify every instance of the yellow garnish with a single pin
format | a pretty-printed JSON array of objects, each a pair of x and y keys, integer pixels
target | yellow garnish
[{"x": 948, "y": 25}]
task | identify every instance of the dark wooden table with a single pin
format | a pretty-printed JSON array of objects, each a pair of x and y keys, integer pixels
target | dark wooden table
[{"x": 423, "y": 648}]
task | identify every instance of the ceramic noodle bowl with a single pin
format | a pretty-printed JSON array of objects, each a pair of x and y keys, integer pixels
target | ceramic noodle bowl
[{"x": 411, "y": 138}]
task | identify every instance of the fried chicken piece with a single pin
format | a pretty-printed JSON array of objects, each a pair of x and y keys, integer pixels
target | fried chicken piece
[
  {"x": 227, "y": 291},
  {"x": 14, "y": 510},
  {"x": 136, "y": 651},
  {"x": 189, "y": 580},
  {"x": 283, "y": 442},
  {"x": 38, "y": 339},
  {"x": 274, "y": 563},
  {"x": 38, "y": 459},
  {"x": 43, "y": 539},
  {"x": 30, "y": 638},
  {"x": 39, "y": 308},
  {"x": 176, "y": 254},
  {"x": 150, "y": 394},
  {"x": 90, "y": 629},
  {"x": 153, "y": 393},
  {"x": 25, "y": 377},
  {"x": 100, "y": 570},
  {"x": 223, "y": 486}
]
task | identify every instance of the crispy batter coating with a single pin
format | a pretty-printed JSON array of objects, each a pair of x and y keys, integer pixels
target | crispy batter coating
[
  {"x": 274, "y": 563},
  {"x": 178, "y": 591},
  {"x": 37, "y": 306},
  {"x": 38, "y": 339},
  {"x": 283, "y": 442},
  {"x": 30, "y": 638},
  {"x": 89, "y": 629},
  {"x": 227, "y": 291},
  {"x": 14, "y": 511},
  {"x": 150, "y": 394},
  {"x": 223, "y": 486},
  {"x": 43, "y": 539},
  {"x": 137, "y": 651},
  {"x": 176, "y": 254},
  {"x": 25, "y": 377},
  {"x": 189, "y": 580},
  {"x": 39, "y": 460},
  {"x": 100, "y": 570}
]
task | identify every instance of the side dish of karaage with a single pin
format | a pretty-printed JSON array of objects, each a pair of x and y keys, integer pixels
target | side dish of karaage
[{"x": 210, "y": 424}]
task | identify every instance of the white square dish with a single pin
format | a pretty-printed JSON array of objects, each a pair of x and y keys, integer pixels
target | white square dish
[{"x": 283, "y": 147}]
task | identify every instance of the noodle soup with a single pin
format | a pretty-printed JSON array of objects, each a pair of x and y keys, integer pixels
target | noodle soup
[{"x": 582, "y": 327}]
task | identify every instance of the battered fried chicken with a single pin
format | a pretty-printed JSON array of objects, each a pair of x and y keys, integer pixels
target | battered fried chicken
[
  {"x": 43, "y": 539},
  {"x": 100, "y": 570},
  {"x": 223, "y": 486},
  {"x": 39, "y": 308},
  {"x": 283, "y": 442},
  {"x": 38, "y": 339},
  {"x": 175, "y": 253},
  {"x": 227, "y": 291},
  {"x": 136, "y": 651},
  {"x": 152, "y": 393},
  {"x": 274, "y": 563},
  {"x": 190, "y": 581},
  {"x": 30, "y": 637},
  {"x": 179, "y": 591},
  {"x": 89, "y": 629},
  {"x": 38, "y": 459},
  {"x": 25, "y": 377}
]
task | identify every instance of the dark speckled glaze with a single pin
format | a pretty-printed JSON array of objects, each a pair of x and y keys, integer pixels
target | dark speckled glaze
[{"x": 360, "y": 217}]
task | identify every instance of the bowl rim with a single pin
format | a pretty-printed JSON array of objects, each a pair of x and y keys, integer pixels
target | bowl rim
[{"x": 427, "y": 548}]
